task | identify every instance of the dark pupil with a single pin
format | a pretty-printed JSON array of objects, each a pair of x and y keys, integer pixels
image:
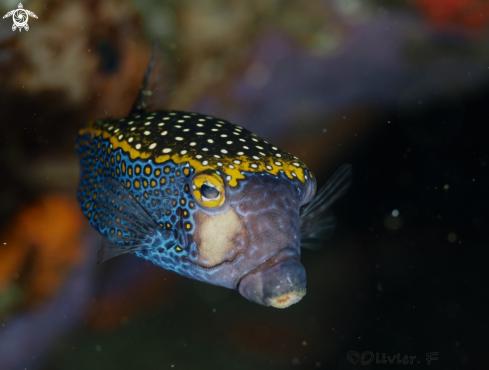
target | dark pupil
[{"x": 209, "y": 192}]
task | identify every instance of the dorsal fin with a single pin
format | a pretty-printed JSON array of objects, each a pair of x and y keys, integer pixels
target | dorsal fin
[{"x": 154, "y": 88}]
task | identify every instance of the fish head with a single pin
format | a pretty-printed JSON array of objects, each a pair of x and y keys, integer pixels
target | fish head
[{"x": 248, "y": 236}]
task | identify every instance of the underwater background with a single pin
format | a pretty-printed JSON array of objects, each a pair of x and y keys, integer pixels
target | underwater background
[{"x": 399, "y": 89}]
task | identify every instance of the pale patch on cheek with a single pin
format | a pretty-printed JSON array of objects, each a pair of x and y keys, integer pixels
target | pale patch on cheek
[{"x": 215, "y": 237}]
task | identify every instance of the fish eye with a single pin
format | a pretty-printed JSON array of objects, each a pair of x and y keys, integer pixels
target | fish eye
[{"x": 208, "y": 190}]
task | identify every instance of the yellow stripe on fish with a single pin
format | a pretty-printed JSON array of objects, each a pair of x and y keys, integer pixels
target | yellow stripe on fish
[{"x": 202, "y": 141}]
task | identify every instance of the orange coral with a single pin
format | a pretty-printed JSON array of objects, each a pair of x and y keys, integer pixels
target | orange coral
[
  {"x": 41, "y": 246},
  {"x": 471, "y": 14}
]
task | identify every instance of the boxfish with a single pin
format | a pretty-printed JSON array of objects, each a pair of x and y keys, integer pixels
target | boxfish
[{"x": 204, "y": 198}]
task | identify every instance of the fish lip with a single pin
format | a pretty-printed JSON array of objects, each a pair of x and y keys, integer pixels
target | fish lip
[
  {"x": 287, "y": 250},
  {"x": 280, "y": 281}
]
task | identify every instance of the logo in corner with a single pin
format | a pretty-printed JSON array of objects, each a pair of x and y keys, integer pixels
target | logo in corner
[{"x": 20, "y": 17}]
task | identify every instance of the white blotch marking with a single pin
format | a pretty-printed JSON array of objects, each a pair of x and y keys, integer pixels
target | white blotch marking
[
  {"x": 296, "y": 164},
  {"x": 278, "y": 163},
  {"x": 240, "y": 153},
  {"x": 164, "y": 133},
  {"x": 205, "y": 163},
  {"x": 179, "y": 138},
  {"x": 224, "y": 151},
  {"x": 130, "y": 139},
  {"x": 152, "y": 146},
  {"x": 229, "y": 142},
  {"x": 183, "y": 152},
  {"x": 219, "y": 164},
  {"x": 147, "y": 123},
  {"x": 200, "y": 133},
  {"x": 193, "y": 143},
  {"x": 210, "y": 141},
  {"x": 138, "y": 146},
  {"x": 167, "y": 150},
  {"x": 147, "y": 133}
]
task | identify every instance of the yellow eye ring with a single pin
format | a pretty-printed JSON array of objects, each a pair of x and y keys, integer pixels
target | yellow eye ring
[{"x": 208, "y": 190}]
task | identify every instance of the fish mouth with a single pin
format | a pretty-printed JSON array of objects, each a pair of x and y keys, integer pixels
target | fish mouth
[{"x": 279, "y": 282}]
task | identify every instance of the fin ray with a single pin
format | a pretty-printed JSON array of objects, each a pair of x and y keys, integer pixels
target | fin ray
[
  {"x": 317, "y": 219},
  {"x": 153, "y": 91},
  {"x": 136, "y": 230}
]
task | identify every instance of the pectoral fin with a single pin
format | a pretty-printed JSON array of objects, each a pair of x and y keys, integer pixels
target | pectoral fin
[
  {"x": 317, "y": 220},
  {"x": 129, "y": 227}
]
